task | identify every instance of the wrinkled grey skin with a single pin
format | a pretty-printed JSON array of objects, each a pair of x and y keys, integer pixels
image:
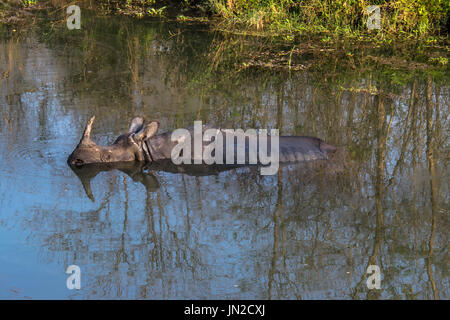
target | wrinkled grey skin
[
  {"x": 127, "y": 147},
  {"x": 140, "y": 143}
]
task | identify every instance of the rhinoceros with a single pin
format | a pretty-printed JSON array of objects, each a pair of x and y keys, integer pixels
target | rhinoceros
[{"x": 141, "y": 143}]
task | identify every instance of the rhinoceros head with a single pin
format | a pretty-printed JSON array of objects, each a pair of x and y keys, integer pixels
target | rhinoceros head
[{"x": 127, "y": 147}]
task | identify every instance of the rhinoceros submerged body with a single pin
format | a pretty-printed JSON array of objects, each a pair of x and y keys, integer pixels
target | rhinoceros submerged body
[{"x": 141, "y": 143}]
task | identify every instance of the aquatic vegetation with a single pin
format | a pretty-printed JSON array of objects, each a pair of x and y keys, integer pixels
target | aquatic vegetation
[
  {"x": 156, "y": 12},
  {"x": 440, "y": 60}
]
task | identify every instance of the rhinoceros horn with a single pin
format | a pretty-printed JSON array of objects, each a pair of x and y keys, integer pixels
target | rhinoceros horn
[{"x": 86, "y": 139}]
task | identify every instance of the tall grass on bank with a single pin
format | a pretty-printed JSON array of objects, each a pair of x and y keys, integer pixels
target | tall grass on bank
[
  {"x": 413, "y": 17},
  {"x": 404, "y": 18}
]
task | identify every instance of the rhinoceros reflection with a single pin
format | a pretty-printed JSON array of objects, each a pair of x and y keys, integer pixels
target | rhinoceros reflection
[
  {"x": 135, "y": 170},
  {"x": 143, "y": 172}
]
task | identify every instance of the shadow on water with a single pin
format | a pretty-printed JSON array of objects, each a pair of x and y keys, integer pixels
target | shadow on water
[{"x": 308, "y": 232}]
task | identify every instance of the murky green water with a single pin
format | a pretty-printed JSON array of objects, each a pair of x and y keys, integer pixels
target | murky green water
[{"x": 306, "y": 233}]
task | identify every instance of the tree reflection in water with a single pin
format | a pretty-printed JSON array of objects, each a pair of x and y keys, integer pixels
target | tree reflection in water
[{"x": 308, "y": 232}]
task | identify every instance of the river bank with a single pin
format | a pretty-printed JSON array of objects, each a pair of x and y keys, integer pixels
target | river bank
[
  {"x": 268, "y": 44},
  {"x": 398, "y": 19}
]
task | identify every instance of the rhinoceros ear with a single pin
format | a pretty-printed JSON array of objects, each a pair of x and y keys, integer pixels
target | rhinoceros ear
[
  {"x": 148, "y": 131},
  {"x": 136, "y": 124}
]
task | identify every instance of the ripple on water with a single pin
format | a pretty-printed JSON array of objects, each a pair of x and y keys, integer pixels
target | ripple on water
[{"x": 36, "y": 158}]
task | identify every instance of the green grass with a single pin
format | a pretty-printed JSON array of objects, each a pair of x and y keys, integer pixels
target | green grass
[{"x": 400, "y": 18}]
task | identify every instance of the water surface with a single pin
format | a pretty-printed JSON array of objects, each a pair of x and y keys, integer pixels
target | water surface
[{"x": 308, "y": 232}]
